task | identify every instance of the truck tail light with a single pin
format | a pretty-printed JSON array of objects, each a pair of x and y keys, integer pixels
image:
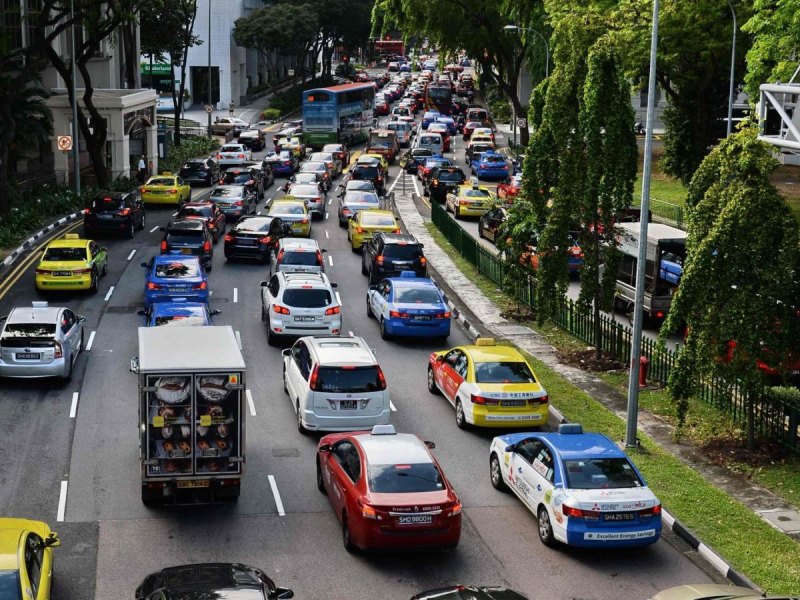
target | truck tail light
[
  {"x": 483, "y": 400},
  {"x": 333, "y": 310},
  {"x": 164, "y": 245},
  {"x": 282, "y": 310},
  {"x": 200, "y": 286},
  {"x": 59, "y": 351},
  {"x": 153, "y": 286},
  {"x": 312, "y": 380},
  {"x": 540, "y": 400}
]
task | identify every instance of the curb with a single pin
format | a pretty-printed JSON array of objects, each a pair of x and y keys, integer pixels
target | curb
[{"x": 9, "y": 260}]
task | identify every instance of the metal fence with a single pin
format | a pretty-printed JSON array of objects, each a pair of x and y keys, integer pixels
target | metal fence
[
  {"x": 667, "y": 212},
  {"x": 774, "y": 419}
]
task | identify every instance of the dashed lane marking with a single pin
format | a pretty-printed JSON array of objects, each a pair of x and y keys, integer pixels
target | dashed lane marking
[
  {"x": 277, "y": 495},
  {"x": 154, "y": 229},
  {"x": 236, "y": 294},
  {"x": 91, "y": 341},
  {"x": 108, "y": 295},
  {"x": 73, "y": 408},
  {"x": 62, "y": 502},
  {"x": 330, "y": 259},
  {"x": 250, "y": 403},
  {"x": 130, "y": 256}
]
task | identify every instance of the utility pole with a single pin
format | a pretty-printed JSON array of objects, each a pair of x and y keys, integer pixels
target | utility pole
[
  {"x": 76, "y": 156},
  {"x": 208, "y": 41}
]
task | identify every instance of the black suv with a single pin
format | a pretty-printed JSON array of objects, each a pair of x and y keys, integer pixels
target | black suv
[
  {"x": 251, "y": 178},
  {"x": 255, "y": 237},
  {"x": 204, "y": 171},
  {"x": 441, "y": 181},
  {"x": 369, "y": 173},
  {"x": 114, "y": 212},
  {"x": 389, "y": 254},
  {"x": 189, "y": 237}
]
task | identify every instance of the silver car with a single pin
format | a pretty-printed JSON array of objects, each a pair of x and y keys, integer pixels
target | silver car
[
  {"x": 40, "y": 341},
  {"x": 297, "y": 255},
  {"x": 233, "y": 155},
  {"x": 314, "y": 198},
  {"x": 355, "y": 201}
]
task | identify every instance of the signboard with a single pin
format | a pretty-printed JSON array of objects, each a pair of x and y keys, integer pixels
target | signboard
[
  {"x": 290, "y": 72},
  {"x": 65, "y": 142},
  {"x": 157, "y": 69},
  {"x": 522, "y": 123},
  {"x": 209, "y": 109}
]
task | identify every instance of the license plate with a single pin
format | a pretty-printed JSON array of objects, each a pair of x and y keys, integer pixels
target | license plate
[
  {"x": 421, "y": 318},
  {"x": 28, "y": 356},
  {"x": 415, "y": 520},
  {"x": 513, "y": 402},
  {"x": 348, "y": 404},
  {"x": 186, "y": 250},
  {"x": 197, "y": 483},
  {"x": 104, "y": 215},
  {"x": 62, "y": 273},
  {"x": 246, "y": 242},
  {"x": 619, "y": 516},
  {"x": 302, "y": 319}
]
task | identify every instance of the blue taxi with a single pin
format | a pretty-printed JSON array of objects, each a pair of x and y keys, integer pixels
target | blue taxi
[
  {"x": 170, "y": 276},
  {"x": 582, "y": 488},
  {"x": 429, "y": 117},
  {"x": 180, "y": 313},
  {"x": 409, "y": 306},
  {"x": 489, "y": 165}
]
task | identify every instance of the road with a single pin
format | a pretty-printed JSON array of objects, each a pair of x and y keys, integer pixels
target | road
[{"x": 85, "y": 468}]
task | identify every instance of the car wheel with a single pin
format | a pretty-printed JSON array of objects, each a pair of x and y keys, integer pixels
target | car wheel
[
  {"x": 104, "y": 272},
  {"x": 342, "y": 224},
  {"x": 263, "y": 314},
  {"x": 131, "y": 230},
  {"x": 320, "y": 479},
  {"x": 432, "y": 387},
  {"x": 480, "y": 230},
  {"x": 545, "y": 527},
  {"x": 363, "y": 264},
  {"x": 495, "y": 474},
  {"x": 80, "y": 347},
  {"x": 384, "y": 334},
  {"x": 68, "y": 374},
  {"x": 272, "y": 338},
  {"x": 346, "y": 541},
  {"x": 300, "y": 427},
  {"x": 370, "y": 314},
  {"x": 93, "y": 285},
  {"x": 285, "y": 388},
  {"x": 461, "y": 419}
]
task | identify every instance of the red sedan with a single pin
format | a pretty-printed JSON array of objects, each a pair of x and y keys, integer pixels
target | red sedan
[
  {"x": 508, "y": 190},
  {"x": 387, "y": 490}
]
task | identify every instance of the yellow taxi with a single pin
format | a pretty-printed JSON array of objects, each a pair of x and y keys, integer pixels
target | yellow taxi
[
  {"x": 482, "y": 138},
  {"x": 488, "y": 385},
  {"x": 294, "y": 145},
  {"x": 381, "y": 157},
  {"x": 166, "y": 189},
  {"x": 365, "y": 223},
  {"x": 71, "y": 263},
  {"x": 293, "y": 211},
  {"x": 470, "y": 200},
  {"x": 26, "y": 559}
]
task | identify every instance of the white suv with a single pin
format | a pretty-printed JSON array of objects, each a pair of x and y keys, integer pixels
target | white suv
[
  {"x": 298, "y": 304},
  {"x": 335, "y": 384}
]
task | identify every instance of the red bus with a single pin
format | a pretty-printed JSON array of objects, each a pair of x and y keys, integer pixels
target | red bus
[{"x": 390, "y": 47}]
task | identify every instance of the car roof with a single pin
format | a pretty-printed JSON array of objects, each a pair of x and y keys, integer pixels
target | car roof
[
  {"x": 295, "y": 243},
  {"x": 69, "y": 243},
  {"x": 335, "y": 351},
  {"x": 42, "y": 312},
  {"x": 202, "y": 580},
  {"x": 493, "y": 353},
  {"x": 393, "y": 449},
  {"x": 575, "y": 445}
]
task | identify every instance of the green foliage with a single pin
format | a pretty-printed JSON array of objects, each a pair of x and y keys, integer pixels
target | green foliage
[
  {"x": 776, "y": 43},
  {"x": 191, "y": 147},
  {"x": 270, "y": 114},
  {"x": 288, "y": 100}
]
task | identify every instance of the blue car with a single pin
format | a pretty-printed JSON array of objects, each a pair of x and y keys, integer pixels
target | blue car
[
  {"x": 282, "y": 163},
  {"x": 173, "y": 276},
  {"x": 489, "y": 165},
  {"x": 452, "y": 128},
  {"x": 429, "y": 117},
  {"x": 582, "y": 488},
  {"x": 409, "y": 306},
  {"x": 179, "y": 313}
]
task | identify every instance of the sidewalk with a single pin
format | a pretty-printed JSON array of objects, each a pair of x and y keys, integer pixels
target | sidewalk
[{"x": 485, "y": 315}]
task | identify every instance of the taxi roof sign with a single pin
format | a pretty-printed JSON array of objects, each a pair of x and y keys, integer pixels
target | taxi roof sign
[
  {"x": 485, "y": 342},
  {"x": 71, "y": 236}
]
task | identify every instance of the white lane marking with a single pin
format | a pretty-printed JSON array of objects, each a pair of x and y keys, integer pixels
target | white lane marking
[
  {"x": 130, "y": 256},
  {"x": 174, "y": 214},
  {"x": 238, "y": 339},
  {"x": 259, "y": 213},
  {"x": 236, "y": 294},
  {"x": 326, "y": 234},
  {"x": 392, "y": 406},
  {"x": 329, "y": 200},
  {"x": 91, "y": 341},
  {"x": 330, "y": 259},
  {"x": 277, "y": 495},
  {"x": 338, "y": 298},
  {"x": 396, "y": 181},
  {"x": 73, "y": 408},
  {"x": 154, "y": 229},
  {"x": 62, "y": 502},
  {"x": 108, "y": 295},
  {"x": 250, "y": 403},
  {"x": 414, "y": 181},
  {"x": 327, "y": 214},
  {"x": 350, "y": 333}
]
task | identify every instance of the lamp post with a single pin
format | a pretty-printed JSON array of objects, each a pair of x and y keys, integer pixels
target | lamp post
[
  {"x": 76, "y": 159},
  {"x": 544, "y": 41},
  {"x": 208, "y": 41},
  {"x": 733, "y": 64}
]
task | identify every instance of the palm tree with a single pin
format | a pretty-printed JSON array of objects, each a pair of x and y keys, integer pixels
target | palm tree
[{"x": 27, "y": 120}]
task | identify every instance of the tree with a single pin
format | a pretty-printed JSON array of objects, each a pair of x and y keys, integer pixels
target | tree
[
  {"x": 27, "y": 122},
  {"x": 739, "y": 289},
  {"x": 776, "y": 43}
]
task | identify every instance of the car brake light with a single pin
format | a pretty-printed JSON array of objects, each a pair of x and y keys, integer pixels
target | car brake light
[
  {"x": 230, "y": 238},
  {"x": 200, "y": 286},
  {"x": 423, "y": 261},
  {"x": 397, "y": 230},
  {"x": 333, "y": 310},
  {"x": 304, "y": 221},
  {"x": 42, "y": 271},
  {"x": 577, "y": 513},
  {"x": 86, "y": 211},
  {"x": 483, "y": 400},
  {"x": 397, "y": 315},
  {"x": 280, "y": 255},
  {"x": 240, "y": 155},
  {"x": 319, "y": 257},
  {"x": 379, "y": 259},
  {"x": 163, "y": 245},
  {"x": 654, "y": 511},
  {"x": 238, "y": 203},
  {"x": 368, "y": 512},
  {"x": 277, "y": 308},
  {"x": 173, "y": 191},
  {"x": 143, "y": 189},
  {"x": 359, "y": 230},
  {"x": 312, "y": 380},
  {"x": 124, "y": 212},
  {"x": 381, "y": 378},
  {"x": 219, "y": 155},
  {"x": 265, "y": 240},
  {"x": 206, "y": 246},
  {"x": 153, "y": 286},
  {"x": 540, "y": 400},
  {"x": 59, "y": 351},
  {"x": 444, "y": 315},
  {"x": 455, "y": 511}
]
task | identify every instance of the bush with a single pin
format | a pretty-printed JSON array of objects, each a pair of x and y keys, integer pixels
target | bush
[
  {"x": 191, "y": 147},
  {"x": 270, "y": 114}
]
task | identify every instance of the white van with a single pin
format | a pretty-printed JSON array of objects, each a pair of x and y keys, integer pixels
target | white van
[
  {"x": 402, "y": 131},
  {"x": 430, "y": 141}
]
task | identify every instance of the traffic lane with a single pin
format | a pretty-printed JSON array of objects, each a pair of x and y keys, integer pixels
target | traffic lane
[{"x": 75, "y": 562}]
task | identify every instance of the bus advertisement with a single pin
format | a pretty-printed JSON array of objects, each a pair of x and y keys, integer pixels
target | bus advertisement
[{"x": 340, "y": 114}]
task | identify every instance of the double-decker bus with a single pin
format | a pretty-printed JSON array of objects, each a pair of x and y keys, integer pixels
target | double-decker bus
[
  {"x": 389, "y": 47},
  {"x": 439, "y": 96},
  {"x": 339, "y": 114}
]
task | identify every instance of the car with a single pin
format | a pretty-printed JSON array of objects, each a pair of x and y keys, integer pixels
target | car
[
  {"x": 387, "y": 490},
  {"x": 489, "y": 385},
  {"x": 391, "y": 254},
  {"x": 251, "y": 178},
  {"x": 340, "y": 152},
  {"x": 222, "y": 125},
  {"x": 509, "y": 189},
  {"x": 255, "y": 237},
  {"x": 282, "y": 163},
  {"x": 489, "y": 165},
  {"x": 294, "y": 212},
  {"x": 71, "y": 263},
  {"x": 114, "y": 212},
  {"x": 209, "y": 213},
  {"x": 365, "y": 223},
  {"x": 231, "y": 155},
  {"x": 476, "y": 148},
  {"x": 469, "y": 200},
  {"x": 210, "y": 580},
  {"x": 469, "y": 127},
  {"x": 179, "y": 312},
  {"x": 299, "y": 304},
  {"x": 411, "y": 160},
  {"x": 469, "y": 592},
  {"x": 465, "y": 62},
  {"x": 234, "y": 201},
  {"x": 408, "y": 306},
  {"x": 583, "y": 489},
  {"x": 443, "y": 180},
  {"x": 189, "y": 237},
  {"x": 374, "y": 160},
  {"x": 261, "y": 169},
  {"x": 166, "y": 189},
  {"x": 297, "y": 255},
  {"x": 335, "y": 384},
  {"x": 26, "y": 556},
  {"x": 715, "y": 591},
  {"x": 200, "y": 171},
  {"x": 334, "y": 166},
  {"x": 424, "y": 170},
  {"x": 428, "y": 117},
  {"x": 381, "y": 105},
  {"x": 40, "y": 341},
  {"x": 287, "y": 132},
  {"x": 403, "y": 131},
  {"x": 321, "y": 169},
  {"x": 315, "y": 179},
  {"x": 575, "y": 257},
  {"x": 264, "y": 126},
  {"x": 253, "y": 138},
  {"x": 383, "y": 143},
  {"x": 169, "y": 276},
  {"x": 491, "y": 222},
  {"x": 484, "y": 133},
  {"x": 370, "y": 173},
  {"x": 452, "y": 128},
  {"x": 293, "y": 144},
  {"x": 443, "y": 131},
  {"x": 356, "y": 185},
  {"x": 312, "y": 195}
]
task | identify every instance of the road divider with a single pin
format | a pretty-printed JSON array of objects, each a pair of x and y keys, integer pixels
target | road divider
[{"x": 392, "y": 406}]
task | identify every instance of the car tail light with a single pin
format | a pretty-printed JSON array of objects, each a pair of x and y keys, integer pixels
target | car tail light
[
  {"x": 396, "y": 230},
  {"x": 369, "y": 512},
  {"x": 483, "y": 400},
  {"x": 319, "y": 257},
  {"x": 124, "y": 212},
  {"x": 444, "y": 315},
  {"x": 206, "y": 246},
  {"x": 359, "y": 230},
  {"x": 381, "y": 378},
  {"x": 379, "y": 259},
  {"x": 397, "y": 315},
  {"x": 200, "y": 286},
  {"x": 659, "y": 314},
  {"x": 238, "y": 203},
  {"x": 143, "y": 190},
  {"x": 346, "y": 210},
  {"x": 59, "y": 351},
  {"x": 312, "y": 380},
  {"x": 280, "y": 255},
  {"x": 240, "y": 156},
  {"x": 455, "y": 510},
  {"x": 577, "y": 513},
  {"x": 304, "y": 221},
  {"x": 219, "y": 155},
  {"x": 265, "y": 240},
  {"x": 277, "y": 308},
  {"x": 230, "y": 238},
  {"x": 286, "y": 163},
  {"x": 42, "y": 272},
  {"x": 654, "y": 511},
  {"x": 333, "y": 310},
  {"x": 86, "y": 211},
  {"x": 153, "y": 286},
  {"x": 164, "y": 245},
  {"x": 540, "y": 400},
  {"x": 210, "y": 224},
  {"x": 423, "y": 261},
  {"x": 173, "y": 191}
]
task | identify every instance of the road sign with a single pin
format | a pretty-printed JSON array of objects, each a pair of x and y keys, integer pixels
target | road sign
[
  {"x": 290, "y": 72},
  {"x": 65, "y": 142},
  {"x": 209, "y": 108},
  {"x": 522, "y": 123}
]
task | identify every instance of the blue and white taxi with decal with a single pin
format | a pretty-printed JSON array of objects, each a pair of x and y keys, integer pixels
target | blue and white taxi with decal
[{"x": 582, "y": 488}]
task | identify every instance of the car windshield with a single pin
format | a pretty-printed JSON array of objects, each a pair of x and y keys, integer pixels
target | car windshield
[
  {"x": 440, "y": 162},
  {"x": 107, "y": 204},
  {"x": 334, "y": 148},
  {"x": 417, "y": 296},
  {"x": 288, "y": 208},
  {"x": 450, "y": 176},
  {"x": 348, "y": 379},
  {"x": 601, "y": 473},
  {"x": 29, "y": 330},
  {"x": 65, "y": 254},
  {"x": 503, "y": 372},
  {"x": 298, "y": 257},
  {"x": 377, "y": 220},
  {"x": 473, "y": 193},
  {"x": 10, "y": 586},
  {"x": 305, "y": 190},
  {"x": 185, "y": 236},
  {"x": 232, "y": 192},
  {"x": 306, "y": 178},
  {"x": 313, "y": 168},
  {"x": 493, "y": 159},
  {"x": 307, "y": 298},
  {"x": 360, "y": 185},
  {"x": 178, "y": 269},
  {"x": 405, "y": 479}
]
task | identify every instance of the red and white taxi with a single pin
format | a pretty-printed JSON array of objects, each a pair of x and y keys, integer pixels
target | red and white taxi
[
  {"x": 387, "y": 490},
  {"x": 508, "y": 190}
]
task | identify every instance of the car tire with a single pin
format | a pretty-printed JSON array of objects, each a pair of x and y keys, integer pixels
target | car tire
[
  {"x": 480, "y": 230},
  {"x": 461, "y": 418},
  {"x": 370, "y": 314},
  {"x": 432, "y": 387},
  {"x": 264, "y": 317},
  {"x": 300, "y": 427},
  {"x": 104, "y": 272},
  {"x": 320, "y": 479},
  {"x": 384, "y": 334},
  {"x": 545, "y": 527},
  {"x": 346, "y": 540},
  {"x": 68, "y": 375},
  {"x": 363, "y": 264},
  {"x": 80, "y": 346},
  {"x": 131, "y": 230},
  {"x": 342, "y": 224},
  {"x": 272, "y": 338},
  {"x": 496, "y": 474},
  {"x": 285, "y": 387}
]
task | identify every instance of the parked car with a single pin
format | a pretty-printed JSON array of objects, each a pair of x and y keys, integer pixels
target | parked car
[{"x": 114, "y": 212}]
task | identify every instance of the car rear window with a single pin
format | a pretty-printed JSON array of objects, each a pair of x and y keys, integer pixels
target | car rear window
[
  {"x": 313, "y": 168},
  {"x": 305, "y": 190},
  {"x": 185, "y": 236},
  {"x": 287, "y": 208},
  {"x": 107, "y": 204},
  {"x": 366, "y": 172},
  {"x": 193, "y": 320},
  {"x": 29, "y": 331},
  {"x": 195, "y": 167},
  {"x": 405, "y": 478},
  {"x": 493, "y": 159},
  {"x": 307, "y": 298},
  {"x": 196, "y": 211},
  {"x": 378, "y": 220},
  {"x": 227, "y": 193},
  {"x": 601, "y": 473},
  {"x": 231, "y": 149},
  {"x": 300, "y": 258},
  {"x": 473, "y": 193},
  {"x": 161, "y": 181},
  {"x": 456, "y": 176},
  {"x": 348, "y": 379},
  {"x": 503, "y": 372},
  {"x": 65, "y": 254},
  {"x": 402, "y": 251},
  {"x": 177, "y": 269},
  {"x": 417, "y": 296}
]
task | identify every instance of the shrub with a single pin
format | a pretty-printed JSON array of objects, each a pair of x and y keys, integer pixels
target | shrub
[
  {"x": 191, "y": 147},
  {"x": 270, "y": 114}
]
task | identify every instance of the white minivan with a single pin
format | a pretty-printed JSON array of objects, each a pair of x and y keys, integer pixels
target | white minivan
[
  {"x": 430, "y": 141},
  {"x": 335, "y": 384},
  {"x": 402, "y": 132}
]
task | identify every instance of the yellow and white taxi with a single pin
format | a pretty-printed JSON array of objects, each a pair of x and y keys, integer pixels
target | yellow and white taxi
[
  {"x": 470, "y": 200},
  {"x": 488, "y": 385},
  {"x": 166, "y": 189},
  {"x": 71, "y": 263},
  {"x": 366, "y": 223},
  {"x": 26, "y": 559},
  {"x": 293, "y": 145}
]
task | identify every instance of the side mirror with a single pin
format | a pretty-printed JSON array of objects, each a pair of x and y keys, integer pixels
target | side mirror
[
  {"x": 263, "y": 284},
  {"x": 81, "y": 319},
  {"x": 142, "y": 313},
  {"x": 509, "y": 449},
  {"x": 283, "y": 593},
  {"x": 430, "y": 445},
  {"x": 374, "y": 286},
  {"x": 52, "y": 540},
  {"x": 3, "y": 318},
  {"x": 323, "y": 250},
  {"x": 103, "y": 249},
  {"x": 334, "y": 285},
  {"x": 162, "y": 228},
  {"x": 144, "y": 264},
  {"x": 324, "y": 448},
  {"x": 215, "y": 312},
  {"x": 286, "y": 352}
]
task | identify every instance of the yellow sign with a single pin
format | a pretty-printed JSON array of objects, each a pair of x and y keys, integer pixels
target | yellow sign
[
  {"x": 158, "y": 421},
  {"x": 205, "y": 420}
]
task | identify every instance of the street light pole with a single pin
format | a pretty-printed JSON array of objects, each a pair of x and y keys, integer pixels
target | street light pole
[
  {"x": 76, "y": 158},
  {"x": 638, "y": 306},
  {"x": 733, "y": 64},
  {"x": 208, "y": 41}
]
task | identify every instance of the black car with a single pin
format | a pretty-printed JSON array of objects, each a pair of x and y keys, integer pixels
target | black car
[
  {"x": 413, "y": 158},
  {"x": 389, "y": 254},
  {"x": 210, "y": 580},
  {"x": 209, "y": 213},
  {"x": 265, "y": 170},
  {"x": 251, "y": 178},
  {"x": 490, "y": 223},
  {"x": 468, "y": 592},
  {"x": 189, "y": 237},
  {"x": 114, "y": 212},
  {"x": 442, "y": 180},
  {"x": 203, "y": 171},
  {"x": 255, "y": 237},
  {"x": 369, "y": 173}
]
